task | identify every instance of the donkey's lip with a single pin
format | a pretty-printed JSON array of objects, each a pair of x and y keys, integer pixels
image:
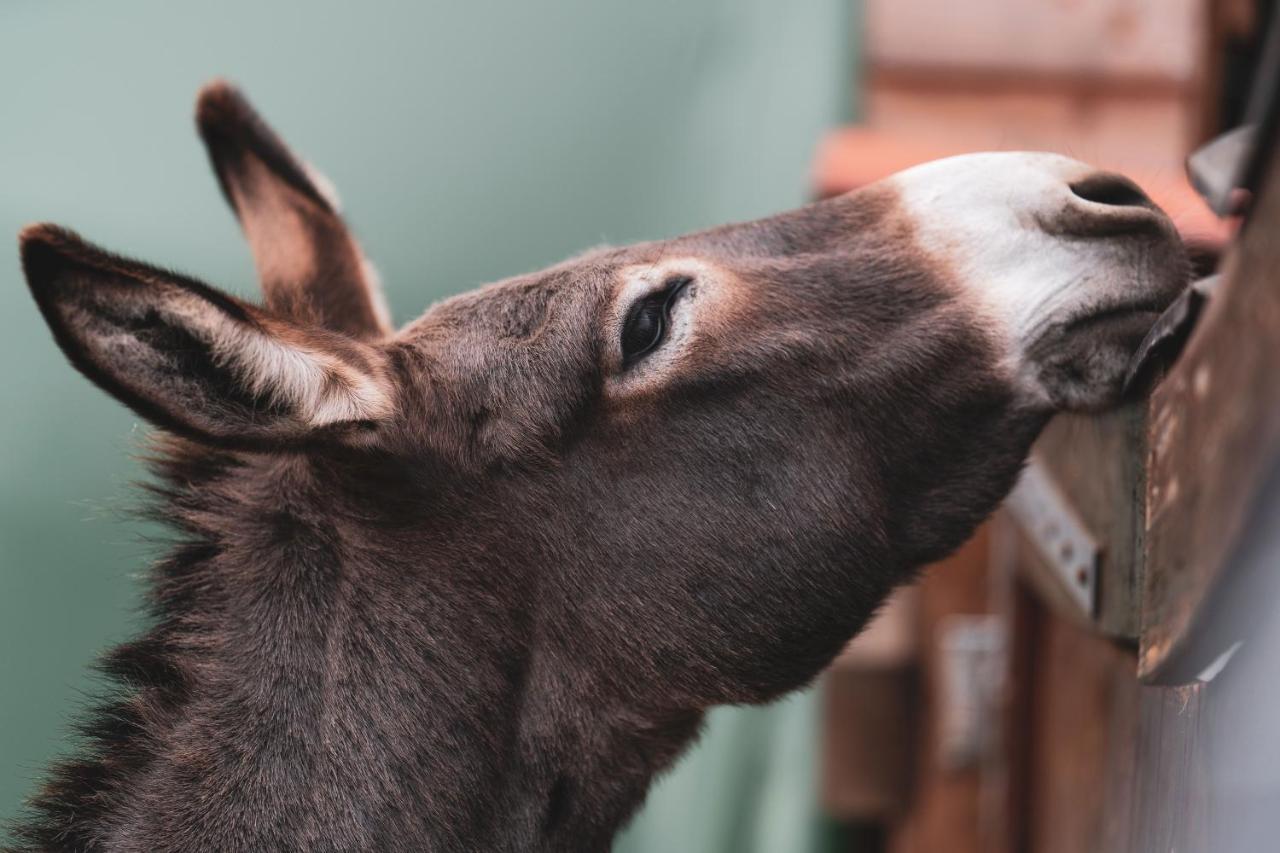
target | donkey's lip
[
  {"x": 1130, "y": 326},
  {"x": 1121, "y": 328},
  {"x": 1125, "y": 314}
]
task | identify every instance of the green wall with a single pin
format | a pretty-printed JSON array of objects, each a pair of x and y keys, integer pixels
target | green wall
[{"x": 470, "y": 141}]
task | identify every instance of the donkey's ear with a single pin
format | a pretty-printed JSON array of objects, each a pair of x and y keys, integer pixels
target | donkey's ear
[
  {"x": 195, "y": 360},
  {"x": 312, "y": 269}
]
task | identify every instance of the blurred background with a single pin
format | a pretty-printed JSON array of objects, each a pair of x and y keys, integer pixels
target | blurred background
[{"x": 474, "y": 141}]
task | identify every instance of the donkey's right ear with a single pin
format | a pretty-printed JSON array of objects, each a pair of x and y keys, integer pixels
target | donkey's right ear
[
  {"x": 312, "y": 269},
  {"x": 197, "y": 361}
]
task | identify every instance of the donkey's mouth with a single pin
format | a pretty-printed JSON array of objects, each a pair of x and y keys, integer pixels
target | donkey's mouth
[
  {"x": 1083, "y": 362},
  {"x": 1121, "y": 317},
  {"x": 1124, "y": 321},
  {"x": 1165, "y": 340},
  {"x": 1122, "y": 328}
]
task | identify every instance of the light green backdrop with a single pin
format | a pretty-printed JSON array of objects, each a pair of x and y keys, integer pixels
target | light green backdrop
[{"x": 470, "y": 141}]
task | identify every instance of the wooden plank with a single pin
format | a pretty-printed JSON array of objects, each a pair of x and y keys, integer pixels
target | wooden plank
[
  {"x": 1081, "y": 737},
  {"x": 1134, "y": 38},
  {"x": 1214, "y": 429},
  {"x": 1120, "y": 130},
  {"x": 1097, "y": 460},
  {"x": 945, "y": 811},
  {"x": 1171, "y": 756},
  {"x": 868, "y": 740},
  {"x": 998, "y": 79},
  {"x": 1097, "y": 760}
]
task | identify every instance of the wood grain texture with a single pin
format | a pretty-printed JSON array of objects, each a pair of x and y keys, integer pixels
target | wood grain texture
[
  {"x": 1098, "y": 761},
  {"x": 1097, "y": 460},
  {"x": 1214, "y": 428}
]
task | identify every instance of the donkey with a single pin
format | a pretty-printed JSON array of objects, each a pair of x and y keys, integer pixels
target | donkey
[{"x": 470, "y": 584}]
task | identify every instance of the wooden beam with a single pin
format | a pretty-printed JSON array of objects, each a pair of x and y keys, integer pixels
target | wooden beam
[{"x": 1214, "y": 432}]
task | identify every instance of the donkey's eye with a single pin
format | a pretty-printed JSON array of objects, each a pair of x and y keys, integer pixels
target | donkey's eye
[{"x": 647, "y": 321}]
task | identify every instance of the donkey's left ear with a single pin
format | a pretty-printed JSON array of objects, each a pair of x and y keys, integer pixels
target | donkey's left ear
[
  {"x": 197, "y": 361},
  {"x": 312, "y": 269}
]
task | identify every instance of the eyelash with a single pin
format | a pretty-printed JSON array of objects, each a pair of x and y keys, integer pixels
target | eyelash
[{"x": 638, "y": 340}]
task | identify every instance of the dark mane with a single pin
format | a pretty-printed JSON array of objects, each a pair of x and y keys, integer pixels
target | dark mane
[{"x": 146, "y": 679}]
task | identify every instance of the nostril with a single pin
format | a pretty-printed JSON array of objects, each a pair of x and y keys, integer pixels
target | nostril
[{"x": 1112, "y": 190}]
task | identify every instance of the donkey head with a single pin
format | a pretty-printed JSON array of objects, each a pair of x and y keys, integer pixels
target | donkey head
[{"x": 705, "y": 459}]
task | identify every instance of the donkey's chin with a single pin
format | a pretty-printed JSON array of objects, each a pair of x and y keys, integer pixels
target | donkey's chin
[{"x": 1081, "y": 365}]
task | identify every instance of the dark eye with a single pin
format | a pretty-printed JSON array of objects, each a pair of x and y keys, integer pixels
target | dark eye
[{"x": 647, "y": 321}]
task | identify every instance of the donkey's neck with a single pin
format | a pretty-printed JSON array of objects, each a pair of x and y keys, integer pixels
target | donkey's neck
[{"x": 321, "y": 679}]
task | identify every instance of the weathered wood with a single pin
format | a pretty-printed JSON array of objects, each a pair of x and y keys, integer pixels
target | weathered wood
[
  {"x": 1079, "y": 723},
  {"x": 1119, "y": 38},
  {"x": 1171, "y": 757},
  {"x": 1214, "y": 428},
  {"x": 1095, "y": 760},
  {"x": 1097, "y": 460}
]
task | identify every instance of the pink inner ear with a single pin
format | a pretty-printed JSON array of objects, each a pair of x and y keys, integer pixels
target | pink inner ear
[{"x": 280, "y": 233}]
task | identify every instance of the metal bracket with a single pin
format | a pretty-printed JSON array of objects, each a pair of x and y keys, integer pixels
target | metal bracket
[{"x": 1044, "y": 514}]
